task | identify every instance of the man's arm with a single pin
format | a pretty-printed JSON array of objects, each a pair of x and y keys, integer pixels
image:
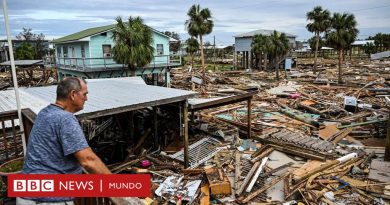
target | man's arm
[{"x": 91, "y": 162}]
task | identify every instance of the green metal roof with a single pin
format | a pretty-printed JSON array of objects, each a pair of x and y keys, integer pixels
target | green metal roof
[
  {"x": 83, "y": 34},
  {"x": 92, "y": 31}
]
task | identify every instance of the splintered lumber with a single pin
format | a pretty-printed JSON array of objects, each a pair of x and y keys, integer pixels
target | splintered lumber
[
  {"x": 322, "y": 167},
  {"x": 340, "y": 135},
  {"x": 263, "y": 154},
  {"x": 363, "y": 185},
  {"x": 299, "y": 152},
  {"x": 248, "y": 178},
  {"x": 237, "y": 173},
  {"x": 264, "y": 188},
  {"x": 325, "y": 166},
  {"x": 219, "y": 182},
  {"x": 307, "y": 167},
  {"x": 125, "y": 165},
  {"x": 254, "y": 178}
]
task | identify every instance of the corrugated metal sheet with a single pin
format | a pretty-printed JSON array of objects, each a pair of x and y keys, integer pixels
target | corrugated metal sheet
[
  {"x": 104, "y": 94},
  {"x": 23, "y": 62}
]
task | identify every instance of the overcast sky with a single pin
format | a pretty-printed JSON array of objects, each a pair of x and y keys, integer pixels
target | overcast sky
[{"x": 57, "y": 18}]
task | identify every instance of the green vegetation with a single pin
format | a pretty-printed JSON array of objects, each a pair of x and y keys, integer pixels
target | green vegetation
[
  {"x": 199, "y": 24},
  {"x": 319, "y": 22},
  {"x": 381, "y": 41},
  {"x": 260, "y": 46},
  {"x": 342, "y": 34},
  {"x": 12, "y": 166},
  {"x": 369, "y": 48},
  {"x": 313, "y": 43},
  {"x": 24, "y": 52},
  {"x": 278, "y": 48},
  {"x": 133, "y": 43},
  {"x": 32, "y": 46},
  {"x": 192, "y": 48},
  {"x": 275, "y": 45}
]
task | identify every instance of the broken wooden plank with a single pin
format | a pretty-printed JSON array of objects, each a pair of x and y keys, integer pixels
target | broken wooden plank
[
  {"x": 247, "y": 178},
  {"x": 264, "y": 188}
]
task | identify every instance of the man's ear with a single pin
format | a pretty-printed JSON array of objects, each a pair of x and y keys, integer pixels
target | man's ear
[{"x": 72, "y": 94}]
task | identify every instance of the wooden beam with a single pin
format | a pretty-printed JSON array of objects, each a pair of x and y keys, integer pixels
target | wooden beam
[
  {"x": 222, "y": 101},
  {"x": 155, "y": 129},
  {"x": 185, "y": 134}
]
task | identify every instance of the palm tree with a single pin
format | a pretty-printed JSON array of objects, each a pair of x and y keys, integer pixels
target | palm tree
[
  {"x": 133, "y": 43},
  {"x": 319, "y": 22},
  {"x": 278, "y": 48},
  {"x": 369, "y": 48},
  {"x": 192, "y": 48},
  {"x": 342, "y": 34},
  {"x": 199, "y": 24},
  {"x": 313, "y": 43},
  {"x": 260, "y": 46}
]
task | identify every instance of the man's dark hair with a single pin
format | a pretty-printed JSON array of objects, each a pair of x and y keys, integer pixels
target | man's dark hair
[{"x": 65, "y": 86}]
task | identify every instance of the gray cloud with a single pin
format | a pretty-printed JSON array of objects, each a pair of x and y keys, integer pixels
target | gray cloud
[{"x": 57, "y": 18}]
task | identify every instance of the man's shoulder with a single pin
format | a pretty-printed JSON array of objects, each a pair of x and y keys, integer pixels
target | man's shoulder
[{"x": 53, "y": 112}]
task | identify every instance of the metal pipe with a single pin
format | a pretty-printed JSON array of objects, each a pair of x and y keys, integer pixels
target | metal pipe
[{"x": 14, "y": 78}]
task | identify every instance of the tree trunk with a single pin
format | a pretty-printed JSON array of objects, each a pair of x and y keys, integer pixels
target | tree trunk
[
  {"x": 265, "y": 61},
  {"x": 344, "y": 53},
  {"x": 316, "y": 51},
  {"x": 192, "y": 61},
  {"x": 261, "y": 61},
  {"x": 257, "y": 61},
  {"x": 132, "y": 70},
  {"x": 350, "y": 54},
  {"x": 202, "y": 59},
  {"x": 340, "y": 81},
  {"x": 276, "y": 67}
]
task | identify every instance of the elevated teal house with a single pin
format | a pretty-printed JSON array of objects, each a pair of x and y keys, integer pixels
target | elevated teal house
[{"x": 87, "y": 54}]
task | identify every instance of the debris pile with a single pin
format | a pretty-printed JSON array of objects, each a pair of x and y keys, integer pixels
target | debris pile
[{"x": 313, "y": 142}]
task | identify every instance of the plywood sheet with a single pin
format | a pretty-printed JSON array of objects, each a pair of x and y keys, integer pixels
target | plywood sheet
[{"x": 380, "y": 171}]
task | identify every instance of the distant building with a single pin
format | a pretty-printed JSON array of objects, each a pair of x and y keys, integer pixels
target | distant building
[
  {"x": 243, "y": 44},
  {"x": 87, "y": 54}
]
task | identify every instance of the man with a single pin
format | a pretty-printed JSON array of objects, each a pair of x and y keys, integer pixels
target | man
[{"x": 57, "y": 144}]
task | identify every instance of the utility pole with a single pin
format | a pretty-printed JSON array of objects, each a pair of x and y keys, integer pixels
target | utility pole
[
  {"x": 214, "y": 53},
  {"x": 14, "y": 78},
  {"x": 387, "y": 146}
]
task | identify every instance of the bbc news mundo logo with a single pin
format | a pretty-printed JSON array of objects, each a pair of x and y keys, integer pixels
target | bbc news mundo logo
[
  {"x": 33, "y": 185},
  {"x": 79, "y": 185}
]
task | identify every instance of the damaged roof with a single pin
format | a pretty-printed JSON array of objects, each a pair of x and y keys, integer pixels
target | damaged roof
[{"x": 105, "y": 97}]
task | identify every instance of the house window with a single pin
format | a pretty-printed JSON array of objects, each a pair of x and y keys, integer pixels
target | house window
[
  {"x": 82, "y": 51},
  {"x": 65, "y": 52},
  {"x": 59, "y": 52},
  {"x": 106, "y": 50},
  {"x": 160, "y": 49}
]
